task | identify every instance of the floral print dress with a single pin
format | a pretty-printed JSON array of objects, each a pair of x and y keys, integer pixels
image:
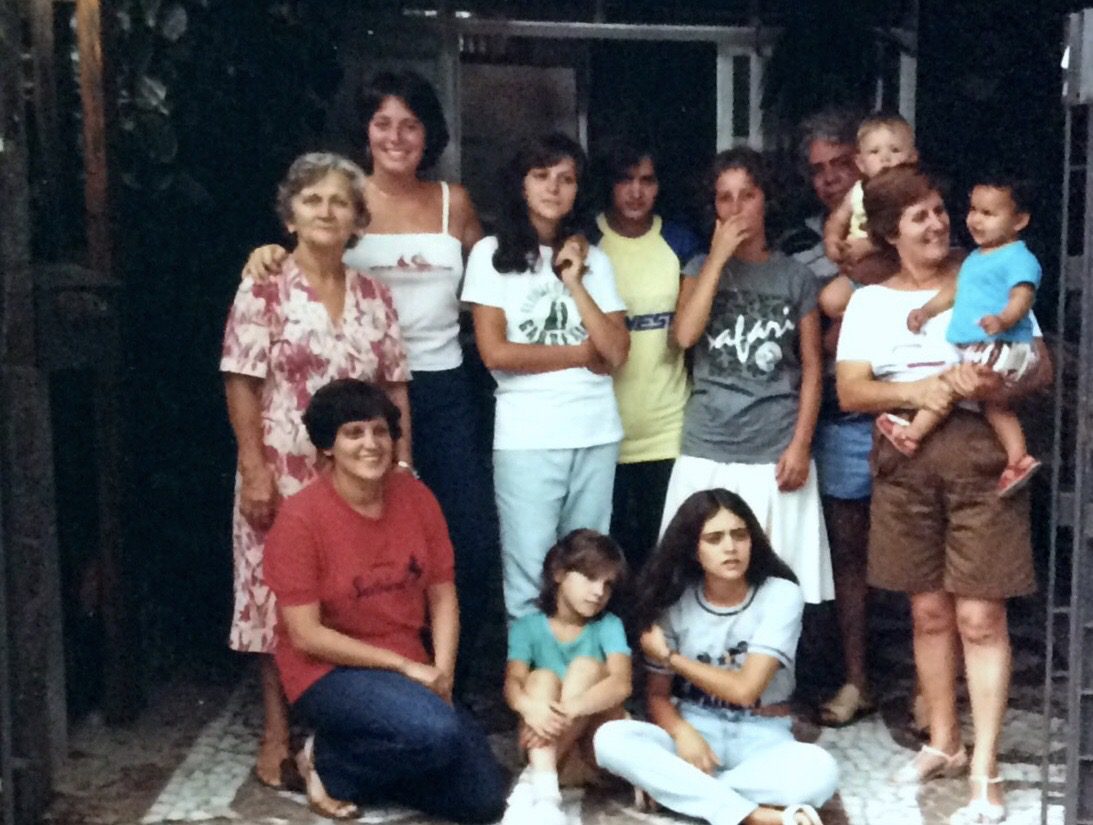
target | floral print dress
[{"x": 279, "y": 331}]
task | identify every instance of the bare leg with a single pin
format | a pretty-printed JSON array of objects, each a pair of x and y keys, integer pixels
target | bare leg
[
  {"x": 543, "y": 684},
  {"x": 274, "y": 748},
  {"x": 1008, "y": 429},
  {"x": 924, "y": 423},
  {"x": 934, "y": 622},
  {"x": 848, "y": 529},
  {"x": 985, "y": 635}
]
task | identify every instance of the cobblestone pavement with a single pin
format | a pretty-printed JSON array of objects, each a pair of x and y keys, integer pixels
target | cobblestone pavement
[{"x": 189, "y": 757}]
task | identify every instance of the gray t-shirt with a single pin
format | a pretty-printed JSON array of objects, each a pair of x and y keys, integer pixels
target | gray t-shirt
[
  {"x": 768, "y": 622},
  {"x": 747, "y": 367}
]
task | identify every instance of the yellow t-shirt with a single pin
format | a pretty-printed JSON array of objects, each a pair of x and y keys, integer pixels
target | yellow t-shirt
[{"x": 651, "y": 388}]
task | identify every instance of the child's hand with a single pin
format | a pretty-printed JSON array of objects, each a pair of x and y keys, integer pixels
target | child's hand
[
  {"x": 853, "y": 250},
  {"x": 791, "y": 471},
  {"x": 569, "y": 262},
  {"x": 916, "y": 320},
  {"x": 543, "y": 719},
  {"x": 264, "y": 262},
  {"x": 992, "y": 324},
  {"x": 654, "y": 645},
  {"x": 834, "y": 250},
  {"x": 691, "y": 747}
]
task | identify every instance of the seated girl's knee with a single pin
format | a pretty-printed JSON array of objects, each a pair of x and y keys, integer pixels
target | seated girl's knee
[
  {"x": 585, "y": 667},
  {"x": 609, "y": 741},
  {"x": 818, "y": 774}
]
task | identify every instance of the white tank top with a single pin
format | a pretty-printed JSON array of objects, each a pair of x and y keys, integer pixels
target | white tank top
[{"x": 423, "y": 271}]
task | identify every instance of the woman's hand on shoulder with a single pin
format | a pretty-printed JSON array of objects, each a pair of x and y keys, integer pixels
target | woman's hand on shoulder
[
  {"x": 693, "y": 748},
  {"x": 791, "y": 471},
  {"x": 258, "y": 496},
  {"x": 264, "y": 262}
]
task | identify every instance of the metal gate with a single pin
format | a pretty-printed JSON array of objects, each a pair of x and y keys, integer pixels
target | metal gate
[{"x": 1068, "y": 677}]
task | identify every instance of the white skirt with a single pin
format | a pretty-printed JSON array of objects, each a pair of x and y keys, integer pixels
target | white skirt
[{"x": 794, "y": 522}]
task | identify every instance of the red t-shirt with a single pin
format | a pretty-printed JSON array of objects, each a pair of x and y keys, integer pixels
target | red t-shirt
[{"x": 369, "y": 576}]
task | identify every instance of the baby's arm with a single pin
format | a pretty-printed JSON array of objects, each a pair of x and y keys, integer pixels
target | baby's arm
[
  {"x": 836, "y": 228},
  {"x": 835, "y": 296},
  {"x": 917, "y": 318},
  {"x": 1016, "y": 308}
]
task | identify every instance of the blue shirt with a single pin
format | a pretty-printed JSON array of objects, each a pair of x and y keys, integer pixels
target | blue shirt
[
  {"x": 983, "y": 288},
  {"x": 533, "y": 642}
]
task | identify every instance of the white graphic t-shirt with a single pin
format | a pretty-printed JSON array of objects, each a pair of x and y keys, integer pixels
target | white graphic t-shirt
[
  {"x": 747, "y": 367},
  {"x": 562, "y": 409},
  {"x": 768, "y": 622}
]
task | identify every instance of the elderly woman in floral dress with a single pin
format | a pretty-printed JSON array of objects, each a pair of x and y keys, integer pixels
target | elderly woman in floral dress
[{"x": 286, "y": 337}]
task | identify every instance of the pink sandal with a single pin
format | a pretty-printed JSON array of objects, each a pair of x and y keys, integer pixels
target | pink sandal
[
  {"x": 1016, "y": 476},
  {"x": 890, "y": 426}
]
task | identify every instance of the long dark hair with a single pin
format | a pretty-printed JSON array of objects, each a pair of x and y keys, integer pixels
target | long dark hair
[
  {"x": 587, "y": 552},
  {"x": 517, "y": 240},
  {"x": 674, "y": 564}
]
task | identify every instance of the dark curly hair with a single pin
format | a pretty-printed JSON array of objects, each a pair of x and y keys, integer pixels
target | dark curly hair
[
  {"x": 420, "y": 98},
  {"x": 674, "y": 565},
  {"x": 739, "y": 157},
  {"x": 344, "y": 400},
  {"x": 585, "y": 551},
  {"x": 517, "y": 240},
  {"x": 617, "y": 157}
]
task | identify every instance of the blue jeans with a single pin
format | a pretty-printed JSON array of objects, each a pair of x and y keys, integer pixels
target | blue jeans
[
  {"x": 541, "y": 496},
  {"x": 382, "y": 736},
  {"x": 448, "y": 457}
]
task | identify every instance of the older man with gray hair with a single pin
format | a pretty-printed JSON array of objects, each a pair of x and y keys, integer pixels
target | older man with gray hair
[{"x": 843, "y": 441}]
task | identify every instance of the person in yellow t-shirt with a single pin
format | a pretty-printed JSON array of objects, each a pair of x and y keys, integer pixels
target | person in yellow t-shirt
[{"x": 648, "y": 254}]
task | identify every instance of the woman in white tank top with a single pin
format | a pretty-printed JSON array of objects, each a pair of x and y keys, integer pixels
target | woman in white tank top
[{"x": 416, "y": 243}]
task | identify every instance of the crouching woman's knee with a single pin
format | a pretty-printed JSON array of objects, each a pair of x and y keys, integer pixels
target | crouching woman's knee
[{"x": 815, "y": 775}]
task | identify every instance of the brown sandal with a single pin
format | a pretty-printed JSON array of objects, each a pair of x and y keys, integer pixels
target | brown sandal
[
  {"x": 848, "y": 705},
  {"x": 318, "y": 800}
]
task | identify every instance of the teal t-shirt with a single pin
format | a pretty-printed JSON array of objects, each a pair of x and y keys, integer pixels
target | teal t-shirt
[{"x": 532, "y": 641}]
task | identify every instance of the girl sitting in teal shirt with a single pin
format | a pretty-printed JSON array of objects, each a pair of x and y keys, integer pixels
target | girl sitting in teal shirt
[{"x": 568, "y": 669}]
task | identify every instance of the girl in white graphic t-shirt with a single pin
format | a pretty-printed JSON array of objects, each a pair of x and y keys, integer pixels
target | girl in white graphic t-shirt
[
  {"x": 551, "y": 327},
  {"x": 720, "y": 616}
]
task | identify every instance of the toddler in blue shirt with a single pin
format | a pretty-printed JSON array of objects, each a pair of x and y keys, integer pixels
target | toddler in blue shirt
[{"x": 991, "y": 322}]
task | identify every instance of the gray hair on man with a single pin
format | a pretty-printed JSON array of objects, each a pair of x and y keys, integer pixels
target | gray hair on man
[{"x": 830, "y": 125}]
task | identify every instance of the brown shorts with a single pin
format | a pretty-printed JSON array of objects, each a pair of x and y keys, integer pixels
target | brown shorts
[{"x": 936, "y": 522}]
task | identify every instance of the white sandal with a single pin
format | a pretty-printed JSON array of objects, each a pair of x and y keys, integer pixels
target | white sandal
[
  {"x": 981, "y": 811},
  {"x": 931, "y": 763},
  {"x": 789, "y": 815}
]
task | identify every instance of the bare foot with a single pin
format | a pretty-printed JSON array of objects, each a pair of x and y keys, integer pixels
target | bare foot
[
  {"x": 271, "y": 754},
  {"x": 318, "y": 799},
  {"x": 764, "y": 815}
]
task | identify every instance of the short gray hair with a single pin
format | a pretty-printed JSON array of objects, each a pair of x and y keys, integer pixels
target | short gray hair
[
  {"x": 312, "y": 167},
  {"x": 830, "y": 125}
]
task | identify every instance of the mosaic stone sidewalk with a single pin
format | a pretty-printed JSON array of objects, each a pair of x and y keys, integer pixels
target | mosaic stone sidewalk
[{"x": 189, "y": 757}]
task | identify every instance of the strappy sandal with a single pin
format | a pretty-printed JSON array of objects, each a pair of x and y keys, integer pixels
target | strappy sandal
[
  {"x": 847, "y": 705},
  {"x": 789, "y": 815},
  {"x": 1016, "y": 476},
  {"x": 888, "y": 424},
  {"x": 981, "y": 811},
  {"x": 931, "y": 763},
  {"x": 318, "y": 800}
]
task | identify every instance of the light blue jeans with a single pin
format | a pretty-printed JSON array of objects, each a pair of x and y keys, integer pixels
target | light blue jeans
[
  {"x": 761, "y": 764},
  {"x": 541, "y": 496}
]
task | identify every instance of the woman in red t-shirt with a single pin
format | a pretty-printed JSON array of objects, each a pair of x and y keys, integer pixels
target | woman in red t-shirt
[{"x": 361, "y": 564}]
